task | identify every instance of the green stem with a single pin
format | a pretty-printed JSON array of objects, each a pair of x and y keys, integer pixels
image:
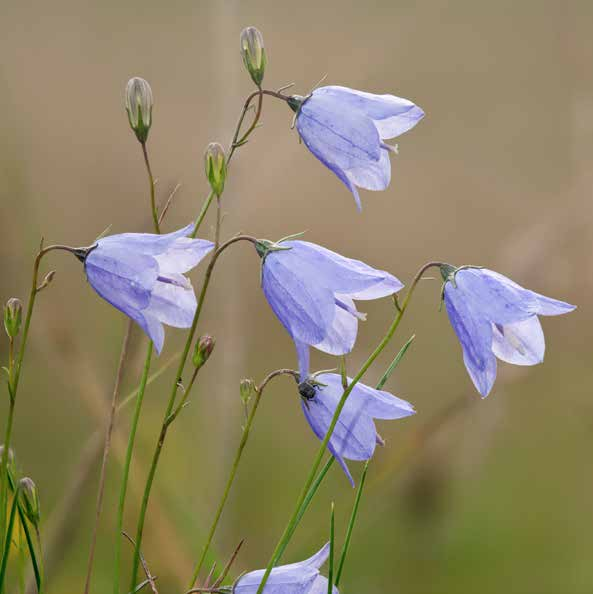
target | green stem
[
  {"x": 8, "y": 539},
  {"x": 245, "y": 436},
  {"x": 153, "y": 207},
  {"x": 317, "y": 462},
  {"x": 351, "y": 524},
  {"x": 171, "y": 401},
  {"x": 332, "y": 546},
  {"x": 126, "y": 473}
]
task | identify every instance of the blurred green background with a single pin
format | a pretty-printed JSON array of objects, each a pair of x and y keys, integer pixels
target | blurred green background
[{"x": 499, "y": 174}]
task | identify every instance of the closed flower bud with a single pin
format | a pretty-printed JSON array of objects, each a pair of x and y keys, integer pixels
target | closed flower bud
[
  {"x": 215, "y": 164},
  {"x": 254, "y": 54},
  {"x": 30, "y": 500},
  {"x": 247, "y": 390},
  {"x": 11, "y": 464},
  {"x": 203, "y": 350},
  {"x": 13, "y": 315},
  {"x": 139, "y": 107}
]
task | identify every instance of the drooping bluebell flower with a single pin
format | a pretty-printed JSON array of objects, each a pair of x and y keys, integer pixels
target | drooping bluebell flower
[
  {"x": 296, "y": 578},
  {"x": 141, "y": 274},
  {"x": 495, "y": 317},
  {"x": 354, "y": 436},
  {"x": 345, "y": 129},
  {"x": 312, "y": 291}
]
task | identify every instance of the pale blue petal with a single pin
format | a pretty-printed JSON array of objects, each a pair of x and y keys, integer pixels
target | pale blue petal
[
  {"x": 342, "y": 275},
  {"x": 320, "y": 586},
  {"x": 303, "y": 358},
  {"x": 377, "y": 403},
  {"x": 183, "y": 255},
  {"x": 306, "y": 309},
  {"x": 492, "y": 297},
  {"x": 521, "y": 343},
  {"x": 475, "y": 335},
  {"x": 371, "y": 175},
  {"x": 173, "y": 305},
  {"x": 341, "y": 336},
  {"x": 392, "y": 115},
  {"x": 145, "y": 243}
]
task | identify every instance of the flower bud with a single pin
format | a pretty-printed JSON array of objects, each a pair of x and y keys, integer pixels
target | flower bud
[
  {"x": 30, "y": 500},
  {"x": 254, "y": 54},
  {"x": 215, "y": 163},
  {"x": 11, "y": 463},
  {"x": 247, "y": 390},
  {"x": 13, "y": 315},
  {"x": 203, "y": 350},
  {"x": 139, "y": 107}
]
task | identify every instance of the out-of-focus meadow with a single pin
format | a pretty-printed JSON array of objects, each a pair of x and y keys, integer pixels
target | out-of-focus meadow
[{"x": 499, "y": 173}]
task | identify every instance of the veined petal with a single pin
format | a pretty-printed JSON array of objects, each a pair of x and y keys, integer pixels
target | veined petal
[
  {"x": 145, "y": 243},
  {"x": 306, "y": 309},
  {"x": 183, "y": 254},
  {"x": 153, "y": 328},
  {"x": 475, "y": 335},
  {"x": 320, "y": 586},
  {"x": 173, "y": 305},
  {"x": 354, "y": 434},
  {"x": 340, "y": 274},
  {"x": 125, "y": 281},
  {"x": 520, "y": 343},
  {"x": 371, "y": 175},
  {"x": 296, "y": 578},
  {"x": 377, "y": 403},
  {"x": 341, "y": 336},
  {"x": 302, "y": 350},
  {"x": 344, "y": 137},
  {"x": 392, "y": 115},
  {"x": 492, "y": 297}
]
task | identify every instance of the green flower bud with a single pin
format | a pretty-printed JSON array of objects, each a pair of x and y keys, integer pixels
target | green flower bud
[
  {"x": 13, "y": 315},
  {"x": 11, "y": 464},
  {"x": 139, "y": 104},
  {"x": 247, "y": 390},
  {"x": 215, "y": 163},
  {"x": 254, "y": 54},
  {"x": 203, "y": 350},
  {"x": 30, "y": 500}
]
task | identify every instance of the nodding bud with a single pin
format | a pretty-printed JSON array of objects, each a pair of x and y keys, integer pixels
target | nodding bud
[
  {"x": 215, "y": 164},
  {"x": 247, "y": 390},
  {"x": 203, "y": 350},
  {"x": 139, "y": 107},
  {"x": 30, "y": 500},
  {"x": 13, "y": 315},
  {"x": 254, "y": 54}
]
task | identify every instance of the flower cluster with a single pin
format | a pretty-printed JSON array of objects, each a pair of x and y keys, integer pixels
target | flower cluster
[{"x": 314, "y": 293}]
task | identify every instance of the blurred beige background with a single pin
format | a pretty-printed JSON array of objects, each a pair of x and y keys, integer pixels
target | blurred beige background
[{"x": 499, "y": 174}]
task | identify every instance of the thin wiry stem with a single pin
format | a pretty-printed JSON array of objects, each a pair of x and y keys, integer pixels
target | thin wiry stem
[
  {"x": 106, "y": 448},
  {"x": 318, "y": 458},
  {"x": 153, "y": 207},
  {"x": 242, "y": 443},
  {"x": 173, "y": 396}
]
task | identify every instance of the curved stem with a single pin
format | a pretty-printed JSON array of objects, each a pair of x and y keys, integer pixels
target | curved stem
[
  {"x": 243, "y": 442},
  {"x": 106, "y": 447},
  {"x": 15, "y": 375},
  {"x": 318, "y": 458},
  {"x": 153, "y": 207},
  {"x": 172, "y": 398},
  {"x": 126, "y": 472}
]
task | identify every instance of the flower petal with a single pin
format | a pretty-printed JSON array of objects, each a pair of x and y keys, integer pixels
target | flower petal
[
  {"x": 320, "y": 586},
  {"x": 306, "y": 309},
  {"x": 183, "y": 255},
  {"x": 371, "y": 175},
  {"x": 173, "y": 305},
  {"x": 392, "y": 115},
  {"x": 377, "y": 403},
  {"x": 475, "y": 335},
  {"x": 493, "y": 296},
  {"x": 341, "y": 336},
  {"x": 521, "y": 343},
  {"x": 145, "y": 243},
  {"x": 342, "y": 275}
]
